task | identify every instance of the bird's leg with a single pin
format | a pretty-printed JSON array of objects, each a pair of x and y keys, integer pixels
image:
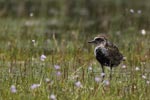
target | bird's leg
[
  {"x": 103, "y": 73},
  {"x": 110, "y": 73}
]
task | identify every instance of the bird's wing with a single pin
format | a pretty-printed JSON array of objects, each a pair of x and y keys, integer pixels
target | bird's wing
[
  {"x": 113, "y": 51},
  {"x": 111, "y": 46}
]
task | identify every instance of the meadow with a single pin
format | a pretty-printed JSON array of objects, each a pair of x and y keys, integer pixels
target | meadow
[{"x": 50, "y": 59}]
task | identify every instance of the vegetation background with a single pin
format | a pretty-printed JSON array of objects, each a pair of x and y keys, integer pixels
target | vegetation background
[{"x": 44, "y": 52}]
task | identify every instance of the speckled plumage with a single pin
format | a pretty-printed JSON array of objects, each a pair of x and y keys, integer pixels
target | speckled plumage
[{"x": 106, "y": 53}]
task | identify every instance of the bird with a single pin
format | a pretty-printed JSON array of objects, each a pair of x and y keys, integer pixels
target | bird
[{"x": 106, "y": 53}]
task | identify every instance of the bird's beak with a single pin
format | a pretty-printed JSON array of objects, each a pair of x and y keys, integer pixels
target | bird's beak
[{"x": 93, "y": 41}]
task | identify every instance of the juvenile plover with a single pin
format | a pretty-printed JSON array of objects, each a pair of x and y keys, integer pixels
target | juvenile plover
[{"x": 106, "y": 53}]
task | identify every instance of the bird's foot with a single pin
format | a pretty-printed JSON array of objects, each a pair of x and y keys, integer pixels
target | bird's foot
[{"x": 103, "y": 76}]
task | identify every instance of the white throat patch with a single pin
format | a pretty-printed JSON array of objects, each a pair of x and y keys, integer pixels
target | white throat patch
[
  {"x": 96, "y": 49},
  {"x": 104, "y": 50}
]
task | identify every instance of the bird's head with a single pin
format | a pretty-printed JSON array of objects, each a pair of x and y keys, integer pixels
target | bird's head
[{"x": 98, "y": 40}]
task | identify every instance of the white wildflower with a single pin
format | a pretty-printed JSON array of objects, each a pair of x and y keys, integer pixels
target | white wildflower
[
  {"x": 106, "y": 82},
  {"x": 102, "y": 74},
  {"x": 139, "y": 11},
  {"x": 131, "y": 11},
  {"x": 58, "y": 73},
  {"x": 43, "y": 57},
  {"x": 124, "y": 66},
  {"x": 137, "y": 68},
  {"x": 78, "y": 84},
  {"x": 13, "y": 89},
  {"x": 148, "y": 82},
  {"x": 33, "y": 41},
  {"x": 31, "y": 14},
  {"x": 143, "y": 32},
  {"x": 47, "y": 80},
  {"x": 143, "y": 76},
  {"x": 56, "y": 67},
  {"x": 34, "y": 86},
  {"x": 90, "y": 68},
  {"x": 97, "y": 79},
  {"x": 52, "y": 97}
]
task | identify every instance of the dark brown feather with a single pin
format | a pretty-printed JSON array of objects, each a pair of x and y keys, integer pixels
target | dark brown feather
[{"x": 109, "y": 55}]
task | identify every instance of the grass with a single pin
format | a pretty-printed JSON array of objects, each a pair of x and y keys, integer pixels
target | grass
[{"x": 22, "y": 67}]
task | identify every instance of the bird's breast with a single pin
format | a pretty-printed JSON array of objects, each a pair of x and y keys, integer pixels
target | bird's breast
[{"x": 101, "y": 50}]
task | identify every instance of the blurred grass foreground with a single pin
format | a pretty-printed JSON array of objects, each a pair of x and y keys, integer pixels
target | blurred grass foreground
[{"x": 44, "y": 54}]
